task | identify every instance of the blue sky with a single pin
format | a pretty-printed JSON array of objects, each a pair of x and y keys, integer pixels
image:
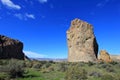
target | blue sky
[{"x": 41, "y": 24}]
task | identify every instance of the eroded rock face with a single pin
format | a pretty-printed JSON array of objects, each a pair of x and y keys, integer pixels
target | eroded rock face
[
  {"x": 104, "y": 56},
  {"x": 82, "y": 44},
  {"x": 10, "y": 48}
]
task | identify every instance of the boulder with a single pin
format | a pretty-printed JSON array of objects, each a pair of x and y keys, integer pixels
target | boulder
[
  {"x": 82, "y": 44},
  {"x": 10, "y": 48},
  {"x": 104, "y": 56}
]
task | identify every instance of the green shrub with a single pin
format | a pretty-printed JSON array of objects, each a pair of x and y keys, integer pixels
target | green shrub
[
  {"x": 76, "y": 73},
  {"x": 37, "y": 65},
  {"x": 107, "y": 77},
  {"x": 62, "y": 66},
  {"x": 47, "y": 70},
  {"x": 43, "y": 62},
  {"x": 15, "y": 68},
  {"x": 113, "y": 63},
  {"x": 110, "y": 69},
  {"x": 80, "y": 64},
  {"x": 45, "y": 65},
  {"x": 90, "y": 63},
  {"x": 95, "y": 74},
  {"x": 4, "y": 62},
  {"x": 4, "y": 76},
  {"x": 28, "y": 64},
  {"x": 104, "y": 66}
]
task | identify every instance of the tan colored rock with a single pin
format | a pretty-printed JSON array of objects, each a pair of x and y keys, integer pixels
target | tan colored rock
[
  {"x": 104, "y": 56},
  {"x": 82, "y": 44}
]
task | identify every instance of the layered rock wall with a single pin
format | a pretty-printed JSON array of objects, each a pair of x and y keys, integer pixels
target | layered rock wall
[{"x": 10, "y": 48}]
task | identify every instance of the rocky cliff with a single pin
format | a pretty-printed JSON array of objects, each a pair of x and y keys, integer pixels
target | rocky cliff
[
  {"x": 82, "y": 44},
  {"x": 10, "y": 48}
]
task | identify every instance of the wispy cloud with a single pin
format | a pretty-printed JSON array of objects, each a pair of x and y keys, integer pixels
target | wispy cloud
[
  {"x": 25, "y": 16},
  {"x": 20, "y": 16},
  {"x": 10, "y": 4},
  {"x": 31, "y": 54},
  {"x": 30, "y": 16},
  {"x": 102, "y": 3},
  {"x": 42, "y": 1}
]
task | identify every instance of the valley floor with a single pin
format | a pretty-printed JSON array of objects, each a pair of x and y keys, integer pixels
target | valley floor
[{"x": 49, "y": 70}]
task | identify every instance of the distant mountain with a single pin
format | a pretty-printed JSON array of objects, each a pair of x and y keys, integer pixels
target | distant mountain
[
  {"x": 50, "y": 59},
  {"x": 115, "y": 58}
]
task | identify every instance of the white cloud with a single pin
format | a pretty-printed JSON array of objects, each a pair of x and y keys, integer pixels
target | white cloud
[
  {"x": 30, "y": 16},
  {"x": 10, "y": 4},
  {"x": 42, "y": 1},
  {"x": 25, "y": 16},
  {"x": 31, "y": 54}
]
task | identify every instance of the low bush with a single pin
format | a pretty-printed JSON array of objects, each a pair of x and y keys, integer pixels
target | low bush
[
  {"x": 28, "y": 64},
  {"x": 107, "y": 77},
  {"x": 62, "y": 67},
  {"x": 95, "y": 74},
  {"x": 110, "y": 69},
  {"x": 14, "y": 68},
  {"x": 113, "y": 63},
  {"x": 81, "y": 64},
  {"x": 4, "y": 62},
  {"x": 90, "y": 63},
  {"x": 37, "y": 65},
  {"x": 75, "y": 73}
]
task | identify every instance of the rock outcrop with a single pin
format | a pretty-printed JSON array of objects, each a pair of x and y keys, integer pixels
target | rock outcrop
[
  {"x": 10, "y": 48},
  {"x": 82, "y": 44},
  {"x": 104, "y": 56}
]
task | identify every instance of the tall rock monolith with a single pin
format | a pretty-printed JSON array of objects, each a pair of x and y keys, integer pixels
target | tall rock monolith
[{"x": 82, "y": 44}]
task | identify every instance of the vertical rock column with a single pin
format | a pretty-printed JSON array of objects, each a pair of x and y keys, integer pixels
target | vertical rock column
[{"x": 82, "y": 44}]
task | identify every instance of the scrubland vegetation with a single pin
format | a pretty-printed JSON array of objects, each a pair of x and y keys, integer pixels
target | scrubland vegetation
[{"x": 48, "y": 70}]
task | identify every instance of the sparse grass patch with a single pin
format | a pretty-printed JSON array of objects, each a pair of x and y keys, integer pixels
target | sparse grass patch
[
  {"x": 76, "y": 73},
  {"x": 49, "y": 70}
]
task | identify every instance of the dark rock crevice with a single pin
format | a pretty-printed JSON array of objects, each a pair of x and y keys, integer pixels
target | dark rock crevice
[
  {"x": 1, "y": 47},
  {"x": 95, "y": 47}
]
